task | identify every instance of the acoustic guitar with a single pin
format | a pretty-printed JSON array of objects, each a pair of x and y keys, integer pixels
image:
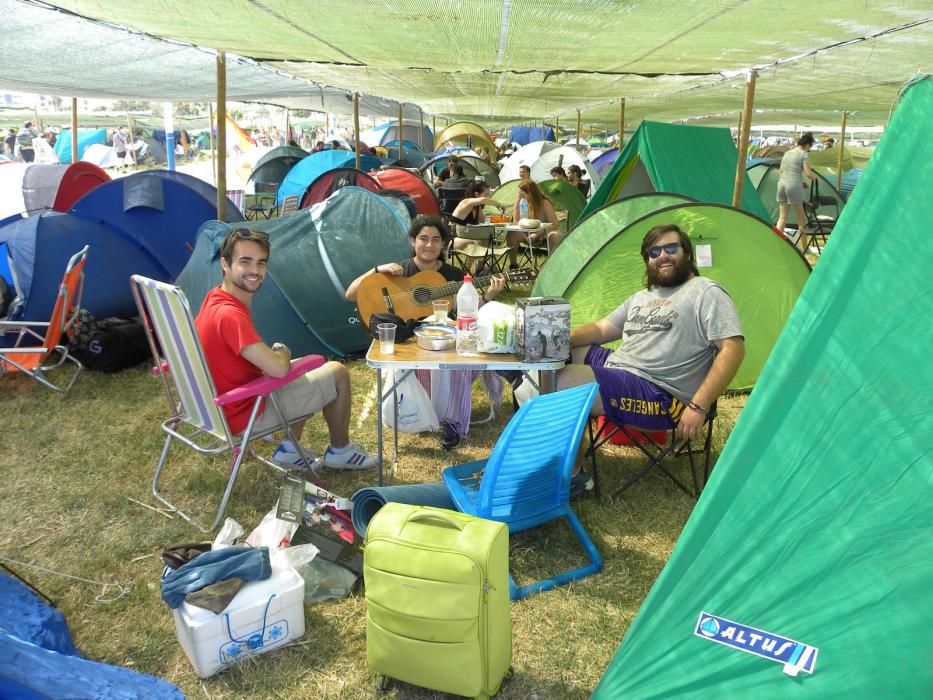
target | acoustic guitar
[{"x": 411, "y": 297}]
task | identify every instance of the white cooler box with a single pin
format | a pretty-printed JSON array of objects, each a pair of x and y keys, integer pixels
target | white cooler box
[{"x": 263, "y": 616}]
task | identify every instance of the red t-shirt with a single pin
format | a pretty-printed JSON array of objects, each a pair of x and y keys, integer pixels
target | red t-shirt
[{"x": 225, "y": 328}]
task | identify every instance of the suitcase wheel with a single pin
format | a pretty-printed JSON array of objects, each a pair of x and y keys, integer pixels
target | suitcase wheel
[{"x": 383, "y": 684}]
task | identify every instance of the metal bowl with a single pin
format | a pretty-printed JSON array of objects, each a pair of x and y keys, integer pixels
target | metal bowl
[{"x": 436, "y": 337}]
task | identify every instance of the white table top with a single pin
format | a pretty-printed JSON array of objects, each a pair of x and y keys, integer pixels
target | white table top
[{"x": 408, "y": 355}]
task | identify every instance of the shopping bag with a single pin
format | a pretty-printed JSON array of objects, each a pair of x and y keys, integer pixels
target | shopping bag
[{"x": 415, "y": 412}]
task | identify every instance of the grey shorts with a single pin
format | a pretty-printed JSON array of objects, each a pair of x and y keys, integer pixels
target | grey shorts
[
  {"x": 302, "y": 397},
  {"x": 794, "y": 194}
]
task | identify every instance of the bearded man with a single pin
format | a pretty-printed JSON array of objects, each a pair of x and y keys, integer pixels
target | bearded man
[{"x": 682, "y": 344}]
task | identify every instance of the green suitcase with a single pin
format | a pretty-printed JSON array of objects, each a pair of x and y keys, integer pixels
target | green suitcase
[{"x": 437, "y": 599}]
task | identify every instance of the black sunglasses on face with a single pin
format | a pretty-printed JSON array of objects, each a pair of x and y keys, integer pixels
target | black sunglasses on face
[{"x": 669, "y": 248}]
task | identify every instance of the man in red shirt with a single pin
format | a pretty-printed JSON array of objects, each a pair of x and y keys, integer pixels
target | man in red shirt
[{"x": 236, "y": 354}]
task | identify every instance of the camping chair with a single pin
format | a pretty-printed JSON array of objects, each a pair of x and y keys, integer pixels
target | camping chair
[
  {"x": 448, "y": 198},
  {"x": 237, "y": 197},
  {"x": 490, "y": 255},
  {"x": 531, "y": 248},
  {"x": 525, "y": 482},
  {"x": 197, "y": 419},
  {"x": 655, "y": 449},
  {"x": 819, "y": 226},
  {"x": 289, "y": 204},
  {"x": 32, "y": 360}
]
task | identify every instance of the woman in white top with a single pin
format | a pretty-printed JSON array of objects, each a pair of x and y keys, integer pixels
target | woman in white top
[
  {"x": 791, "y": 189},
  {"x": 540, "y": 208}
]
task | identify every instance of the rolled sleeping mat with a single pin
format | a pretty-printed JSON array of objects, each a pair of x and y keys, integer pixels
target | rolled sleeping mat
[{"x": 367, "y": 501}]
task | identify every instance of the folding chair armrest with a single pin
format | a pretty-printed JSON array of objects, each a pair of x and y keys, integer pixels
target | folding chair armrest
[{"x": 263, "y": 386}]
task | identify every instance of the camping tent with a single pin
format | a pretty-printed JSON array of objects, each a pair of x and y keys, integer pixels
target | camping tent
[
  {"x": 162, "y": 214},
  {"x": 29, "y": 188},
  {"x": 101, "y": 155},
  {"x": 402, "y": 180},
  {"x": 467, "y": 134},
  {"x": 203, "y": 188},
  {"x": 565, "y": 197},
  {"x": 760, "y": 270},
  {"x": 817, "y": 523},
  {"x": 328, "y": 182},
  {"x": 473, "y": 167},
  {"x": 605, "y": 160},
  {"x": 316, "y": 253},
  {"x": 698, "y": 161},
  {"x": 412, "y": 156},
  {"x": 541, "y": 156},
  {"x": 529, "y": 134},
  {"x": 270, "y": 170},
  {"x": 40, "y": 659},
  {"x": 307, "y": 170},
  {"x": 764, "y": 175},
  {"x": 40, "y": 248},
  {"x": 86, "y": 137},
  {"x": 384, "y": 134}
]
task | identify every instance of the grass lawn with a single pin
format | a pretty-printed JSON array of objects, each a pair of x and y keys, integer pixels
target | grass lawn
[{"x": 71, "y": 466}]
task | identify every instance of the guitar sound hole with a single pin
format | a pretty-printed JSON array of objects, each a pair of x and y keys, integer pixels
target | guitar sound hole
[{"x": 422, "y": 296}]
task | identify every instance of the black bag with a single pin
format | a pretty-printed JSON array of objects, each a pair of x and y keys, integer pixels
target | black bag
[
  {"x": 111, "y": 345},
  {"x": 403, "y": 329}
]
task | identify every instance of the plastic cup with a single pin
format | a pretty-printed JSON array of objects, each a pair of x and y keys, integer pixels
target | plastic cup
[
  {"x": 441, "y": 308},
  {"x": 386, "y": 338}
]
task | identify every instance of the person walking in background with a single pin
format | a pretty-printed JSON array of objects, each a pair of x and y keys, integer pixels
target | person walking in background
[
  {"x": 24, "y": 140},
  {"x": 791, "y": 189},
  {"x": 10, "y": 142},
  {"x": 119, "y": 147}
]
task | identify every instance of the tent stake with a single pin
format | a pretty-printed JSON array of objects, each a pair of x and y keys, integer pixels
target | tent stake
[
  {"x": 743, "y": 138},
  {"x": 356, "y": 127},
  {"x": 842, "y": 151},
  {"x": 74, "y": 129},
  {"x": 221, "y": 136}
]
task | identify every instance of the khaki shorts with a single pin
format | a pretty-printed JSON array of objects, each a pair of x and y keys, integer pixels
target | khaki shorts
[{"x": 306, "y": 395}]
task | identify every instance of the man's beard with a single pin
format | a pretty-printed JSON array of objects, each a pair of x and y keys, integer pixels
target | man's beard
[{"x": 672, "y": 277}]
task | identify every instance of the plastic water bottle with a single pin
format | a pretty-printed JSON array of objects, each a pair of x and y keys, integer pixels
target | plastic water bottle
[
  {"x": 467, "y": 333},
  {"x": 522, "y": 208}
]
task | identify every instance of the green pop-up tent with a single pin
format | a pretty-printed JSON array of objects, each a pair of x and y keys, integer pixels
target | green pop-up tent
[
  {"x": 817, "y": 523},
  {"x": 316, "y": 253},
  {"x": 599, "y": 265},
  {"x": 698, "y": 161}
]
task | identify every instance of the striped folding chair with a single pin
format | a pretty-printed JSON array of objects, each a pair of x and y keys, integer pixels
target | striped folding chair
[
  {"x": 34, "y": 360},
  {"x": 237, "y": 197},
  {"x": 289, "y": 204},
  {"x": 197, "y": 419}
]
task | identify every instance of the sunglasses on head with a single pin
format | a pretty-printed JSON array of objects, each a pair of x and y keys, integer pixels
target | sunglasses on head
[
  {"x": 249, "y": 234},
  {"x": 669, "y": 248}
]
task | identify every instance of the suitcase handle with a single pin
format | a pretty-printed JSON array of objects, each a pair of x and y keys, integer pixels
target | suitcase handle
[{"x": 440, "y": 515}]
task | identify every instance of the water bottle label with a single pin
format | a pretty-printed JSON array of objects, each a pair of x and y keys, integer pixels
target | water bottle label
[{"x": 466, "y": 323}]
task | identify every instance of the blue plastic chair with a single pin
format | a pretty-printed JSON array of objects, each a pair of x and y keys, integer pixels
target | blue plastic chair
[{"x": 525, "y": 482}]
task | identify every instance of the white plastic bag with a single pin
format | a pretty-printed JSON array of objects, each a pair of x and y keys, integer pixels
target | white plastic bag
[
  {"x": 272, "y": 532},
  {"x": 496, "y": 327},
  {"x": 415, "y": 412},
  {"x": 293, "y": 557},
  {"x": 228, "y": 535}
]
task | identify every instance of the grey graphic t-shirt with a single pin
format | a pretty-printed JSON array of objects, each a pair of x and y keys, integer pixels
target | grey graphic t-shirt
[{"x": 668, "y": 333}]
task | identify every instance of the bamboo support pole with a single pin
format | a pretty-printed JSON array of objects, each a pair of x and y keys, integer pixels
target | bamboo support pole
[
  {"x": 743, "y": 138},
  {"x": 401, "y": 113},
  {"x": 210, "y": 136},
  {"x": 356, "y": 128},
  {"x": 221, "y": 136},
  {"x": 74, "y": 129},
  {"x": 621, "y": 122},
  {"x": 578, "y": 128},
  {"x": 842, "y": 143},
  {"x": 421, "y": 128}
]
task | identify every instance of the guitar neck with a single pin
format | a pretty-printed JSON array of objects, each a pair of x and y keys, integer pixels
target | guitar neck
[{"x": 446, "y": 290}]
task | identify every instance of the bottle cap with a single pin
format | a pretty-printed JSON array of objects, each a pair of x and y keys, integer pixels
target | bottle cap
[{"x": 467, "y": 278}]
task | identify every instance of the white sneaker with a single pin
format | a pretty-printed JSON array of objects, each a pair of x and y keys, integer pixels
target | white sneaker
[
  {"x": 353, "y": 456},
  {"x": 290, "y": 459}
]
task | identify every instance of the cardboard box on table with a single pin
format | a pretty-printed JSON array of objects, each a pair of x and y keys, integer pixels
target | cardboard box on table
[
  {"x": 542, "y": 329},
  {"x": 264, "y": 615}
]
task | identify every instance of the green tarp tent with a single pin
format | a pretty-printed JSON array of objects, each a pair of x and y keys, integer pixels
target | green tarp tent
[
  {"x": 316, "y": 253},
  {"x": 565, "y": 197},
  {"x": 764, "y": 175},
  {"x": 817, "y": 523},
  {"x": 698, "y": 161},
  {"x": 599, "y": 265}
]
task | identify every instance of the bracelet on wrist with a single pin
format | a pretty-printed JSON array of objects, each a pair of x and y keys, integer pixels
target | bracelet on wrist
[{"x": 697, "y": 407}]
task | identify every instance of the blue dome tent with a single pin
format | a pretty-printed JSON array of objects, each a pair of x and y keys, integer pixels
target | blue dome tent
[{"x": 308, "y": 169}]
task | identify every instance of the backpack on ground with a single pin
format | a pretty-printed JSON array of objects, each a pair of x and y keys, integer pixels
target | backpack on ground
[{"x": 109, "y": 345}]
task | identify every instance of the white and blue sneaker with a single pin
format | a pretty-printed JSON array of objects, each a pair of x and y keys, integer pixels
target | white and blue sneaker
[
  {"x": 287, "y": 457},
  {"x": 353, "y": 456}
]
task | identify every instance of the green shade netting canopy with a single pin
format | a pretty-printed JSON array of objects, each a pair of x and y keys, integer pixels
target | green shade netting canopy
[
  {"x": 698, "y": 161},
  {"x": 761, "y": 271},
  {"x": 765, "y": 176},
  {"x": 817, "y": 522}
]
